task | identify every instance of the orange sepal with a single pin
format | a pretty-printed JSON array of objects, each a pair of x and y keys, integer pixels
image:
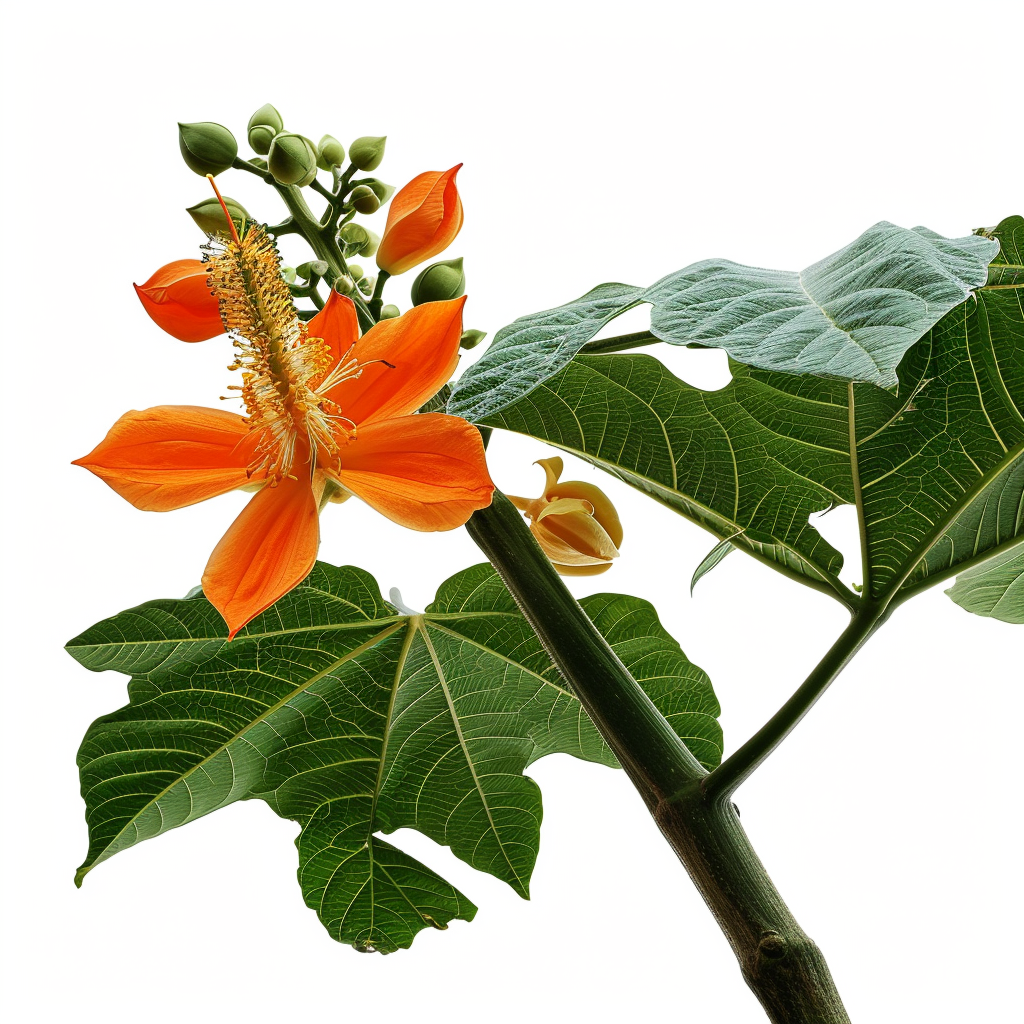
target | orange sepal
[
  {"x": 177, "y": 299},
  {"x": 424, "y": 472},
  {"x": 423, "y": 219},
  {"x": 422, "y": 348},
  {"x": 269, "y": 549},
  {"x": 172, "y": 456}
]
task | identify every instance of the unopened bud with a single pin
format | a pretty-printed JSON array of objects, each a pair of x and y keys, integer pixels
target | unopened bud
[
  {"x": 574, "y": 523},
  {"x": 380, "y": 190},
  {"x": 365, "y": 285},
  {"x": 344, "y": 285},
  {"x": 261, "y": 137},
  {"x": 367, "y": 152},
  {"x": 373, "y": 240},
  {"x": 288, "y": 273},
  {"x": 268, "y": 115},
  {"x": 330, "y": 153},
  {"x": 314, "y": 268},
  {"x": 470, "y": 338},
  {"x": 357, "y": 240},
  {"x": 438, "y": 282},
  {"x": 389, "y": 312},
  {"x": 210, "y": 217},
  {"x": 355, "y": 271},
  {"x": 206, "y": 147},
  {"x": 364, "y": 199},
  {"x": 292, "y": 159}
]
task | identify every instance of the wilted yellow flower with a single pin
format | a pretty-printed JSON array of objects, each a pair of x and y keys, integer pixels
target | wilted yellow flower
[{"x": 574, "y": 522}]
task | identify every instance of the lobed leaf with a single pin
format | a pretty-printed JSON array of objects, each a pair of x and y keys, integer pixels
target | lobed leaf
[
  {"x": 935, "y": 466},
  {"x": 353, "y": 718},
  {"x": 851, "y": 316}
]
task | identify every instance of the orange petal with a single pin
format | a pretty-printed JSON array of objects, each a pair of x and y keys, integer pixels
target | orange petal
[
  {"x": 425, "y": 472},
  {"x": 337, "y": 324},
  {"x": 178, "y": 299},
  {"x": 173, "y": 455},
  {"x": 423, "y": 219},
  {"x": 269, "y": 549},
  {"x": 422, "y": 347}
]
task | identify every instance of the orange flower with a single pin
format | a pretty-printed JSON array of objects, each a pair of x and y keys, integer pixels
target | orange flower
[
  {"x": 328, "y": 415},
  {"x": 423, "y": 219},
  {"x": 179, "y": 300},
  {"x": 574, "y": 522}
]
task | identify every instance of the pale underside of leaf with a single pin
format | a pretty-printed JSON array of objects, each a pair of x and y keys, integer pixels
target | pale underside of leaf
[
  {"x": 995, "y": 588},
  {"x": 851, "y": 316}
]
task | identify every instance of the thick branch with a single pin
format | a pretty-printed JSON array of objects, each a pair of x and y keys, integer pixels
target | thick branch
[{"x": 783, "y": 967}]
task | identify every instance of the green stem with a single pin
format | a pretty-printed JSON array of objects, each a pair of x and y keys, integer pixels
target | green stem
[
  {"x": 376, "y": 303},
  {"x": 783, "y": 967},
  {"x": 736, "y": 768},
  {"x": 620, "y": 343},
  {"x": 638, "y": 734}
]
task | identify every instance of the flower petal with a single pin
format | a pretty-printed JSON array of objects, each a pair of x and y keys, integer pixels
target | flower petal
[
  {"x": 424, "y": 472},
  {"x": 422, "y": 347},
  {"x": 337, "y": 324},
  {"x": 604, "y": 511},
  {"x": 177, "y": 299},
  {"x": 173, "y": 455},
  {"x": 269, "y": 549}
]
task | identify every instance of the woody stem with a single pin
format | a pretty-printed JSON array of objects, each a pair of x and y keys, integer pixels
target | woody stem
[{"x": 780, "y": 963}]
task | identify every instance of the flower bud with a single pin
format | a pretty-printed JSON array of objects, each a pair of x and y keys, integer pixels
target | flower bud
[
  {"x": 178, "y": 300},
  {"x": 470, "y": 338},
  {"x": 261, "y": 137},
  {"x": 330, "y": 153},
  {"x": 267, "y": 115},
  {"x": 389, "y": 312},
  {"x": 574, "y": 523},
  {"x": 367, "y": 152},
  {"x": 206, "y": 147},
  {"x": 292, "y": 159},
  {"x": 344, "y": 285},
  {"x": 365, "y": 285},
  {"x": 210, "y": 218},
  {"x": 364, "y": 199},
  {"x": 423, "y": 219},
  {"x": 440, "y": 281},
  {"x": 355, "y": 271},
  {"x": 357, "y": 240},
  {"x": 380, "y": 190}
]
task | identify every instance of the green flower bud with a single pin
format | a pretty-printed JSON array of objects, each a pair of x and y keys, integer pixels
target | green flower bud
[
  {"x": 260, "y": 138},
  {"x": 364, "y": 199},
  {"x": 355, "y": 271},
  {"x": 365, "y": 285},
  {"x": 353, "y": 237},
  {"x": 440, "y": 281},
  {"x": 367, "y": 152},
  {"x": 292, "y": 159},
  {"x": 288, "y": 273},
  {"x": 268, "y": 115},
  {"x": 330, "y": 153},
  {"x": 373, "y": 240},
  {"x": 314, "y": 268},
  {"x": 471, "y": 338},
  {"x": 380, "y": 190},
  {"x": 206, "y": 147},
  {"x": 344, "y": 285},
  {"x": 389, "y": 312},
  {"x": 210, "y": 217}
]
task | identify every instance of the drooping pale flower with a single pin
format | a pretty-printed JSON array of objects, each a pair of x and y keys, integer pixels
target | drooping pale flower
[
  {"x": 423, "y": 219},
  {"x": 574, "y": 523},
  {"x": 328, "y": 413},
  {"x": 178, "y": 300}
]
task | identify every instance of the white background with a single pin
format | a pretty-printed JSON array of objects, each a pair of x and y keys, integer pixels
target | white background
[{"x": 601, "y": 142}]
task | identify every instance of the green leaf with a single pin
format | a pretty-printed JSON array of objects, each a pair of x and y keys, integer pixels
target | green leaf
[
  {"x": 1007, "y": 269},
  {"x": 711, "y": 559},
  {"x": 851, "y": 316},
  {"x": 353, "y": 717},
  {"x": 994, "y": 588},
  {"x": 936, "y": 468}
]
